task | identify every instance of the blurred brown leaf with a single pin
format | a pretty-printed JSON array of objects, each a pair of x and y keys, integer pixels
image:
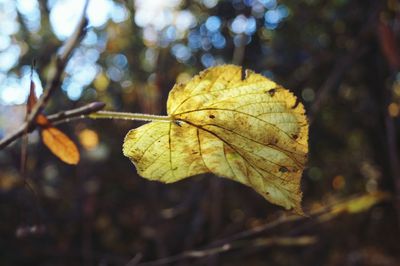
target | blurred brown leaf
[
  {"x": 32, "y": 99},
  {"x": 57, "y": 142},
  {"x": 388, "y": 45},
  {"x": 60, "y": 145}
]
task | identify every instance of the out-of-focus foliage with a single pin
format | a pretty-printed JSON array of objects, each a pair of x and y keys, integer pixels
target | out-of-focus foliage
[{"x": 338, "y": 56}]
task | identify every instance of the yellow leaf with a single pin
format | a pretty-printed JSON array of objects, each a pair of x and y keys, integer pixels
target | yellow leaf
[
  {"x": 241, "y": 126},
  {"x": 355, "y": 205},
  {"x": 60, "y": 145},
  {"x": 360, "y": 204}
]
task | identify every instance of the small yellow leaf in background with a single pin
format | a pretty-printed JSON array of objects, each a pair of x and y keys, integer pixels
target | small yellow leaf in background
[
  {"x": 360, "y": 204},
  {"x": 355, "y": 205},
  {"x": 238, "y": 125}
]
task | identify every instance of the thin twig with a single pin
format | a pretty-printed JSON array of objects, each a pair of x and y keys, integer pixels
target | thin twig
[
  {"x": 81, "y": 111},
  {"x": 257, "y": 242},
  {"x": 334, "y": 79},
  {"x": 343, "y": 64},
  {"x": 256, "y": 230},
  {"x": 130, "y": 116},
  {"x": 58, "y": 118},
  {"x": 237, "y": 240},
  {"x": 14, "y": 136},
  {"x": 24, "y": 146},
  {"x": 62, "y": 59},
  {"x": 54, "y": 82},
  {"x": 220, "y": 246},
  {"x": 386, "y": 37}
]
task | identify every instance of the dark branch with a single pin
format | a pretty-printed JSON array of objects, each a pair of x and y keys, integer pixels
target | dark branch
[
  {"x": 81, "y": 111},
  {"x": 54, "y": 81},
  {"x": 57, "y": 118},
  {"x": 62, "y": 59}
]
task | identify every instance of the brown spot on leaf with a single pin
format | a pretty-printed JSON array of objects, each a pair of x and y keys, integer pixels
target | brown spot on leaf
[
  {"x": 274, "y": 141},
  {"x": 271, "y": 92},
  {"x": 296, "y": 103},
  {"x": 283, "y": 169},
  {"x": 243, "y": 76},
  {"x": 211, "y": 116}
]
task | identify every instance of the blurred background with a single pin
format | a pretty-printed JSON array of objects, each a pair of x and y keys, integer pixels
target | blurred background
[{"x": 340, "y": 57}]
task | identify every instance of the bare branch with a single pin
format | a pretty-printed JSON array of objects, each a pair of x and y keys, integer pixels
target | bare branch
[
  {"x": 62, "y": 59},
  {"x": 257, "y": 242},
  {"x": 54, "y": 81},
  {"x": 57, "y": 118},
  {"x": 14, "y": 136},
  {"x": 238, "y": 240},
  {"x": 81, "y": 111},
  {"x": 344, "y": 63}
]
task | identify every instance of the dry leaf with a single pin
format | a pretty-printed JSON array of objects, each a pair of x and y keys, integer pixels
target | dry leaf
[
  {"x": 355, "y": 205},
  {"x": 241, "y": 126},
  {"x": 60, "y": 145},
  {"x": 57, "y": 142},
  {"x": 389, "y": 46},
  {"x": 361, "y": 203},
  {"x": 32, "y": 99},
  {"x": 42, "y": 121}
]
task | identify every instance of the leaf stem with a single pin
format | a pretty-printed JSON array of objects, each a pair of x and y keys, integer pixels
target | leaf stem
[{"x": 129, "y": 116}]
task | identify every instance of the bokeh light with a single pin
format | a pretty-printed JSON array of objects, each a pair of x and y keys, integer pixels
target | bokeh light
[
  {"x": 164, "y": 24},
  {"x": 89, "y": 139},
  {"x": 131, "y": 56},
  {"x": 65, "y": 14}
]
